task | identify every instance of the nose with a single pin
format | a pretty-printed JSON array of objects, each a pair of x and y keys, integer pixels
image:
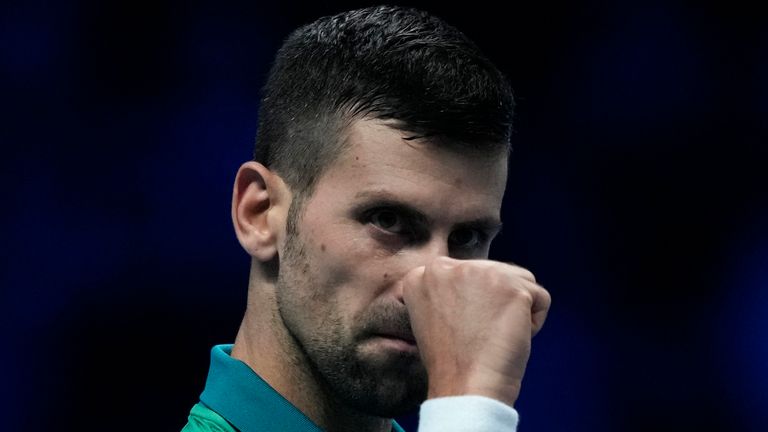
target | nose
[{"x": 418, "y": 257}]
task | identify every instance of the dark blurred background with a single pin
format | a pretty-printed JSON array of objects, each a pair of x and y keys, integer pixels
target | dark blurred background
[{"x": 637, "y": 195}]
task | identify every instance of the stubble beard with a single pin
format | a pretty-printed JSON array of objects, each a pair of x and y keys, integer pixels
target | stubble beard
[{"x": 371, "y": 383}]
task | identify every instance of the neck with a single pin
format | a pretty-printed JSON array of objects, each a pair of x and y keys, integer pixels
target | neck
[{"x": 266, "y": 346}]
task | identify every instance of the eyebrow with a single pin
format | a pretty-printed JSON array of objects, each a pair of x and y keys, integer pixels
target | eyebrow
[{"x": 491, "y": 225}]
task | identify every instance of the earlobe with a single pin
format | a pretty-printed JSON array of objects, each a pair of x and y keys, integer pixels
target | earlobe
[{"x": 258, "y": 210}]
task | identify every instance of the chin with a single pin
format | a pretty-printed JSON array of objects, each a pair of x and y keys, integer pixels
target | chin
[
  {"x": 389, "y": 399},
  {"x": 395, "y": 384}
]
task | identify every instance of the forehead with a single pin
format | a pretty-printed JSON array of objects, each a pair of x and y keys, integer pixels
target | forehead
[{"x": 378, "y": 162}]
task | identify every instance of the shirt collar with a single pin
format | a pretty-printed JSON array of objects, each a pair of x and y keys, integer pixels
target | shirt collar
[{"x": 246, "y": 401}]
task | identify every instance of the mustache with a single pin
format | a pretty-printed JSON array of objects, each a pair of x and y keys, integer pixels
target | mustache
[{"x": 387, "y": 319}]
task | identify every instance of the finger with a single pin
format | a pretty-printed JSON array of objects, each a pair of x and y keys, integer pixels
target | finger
[
  {"x": 542, "y": 301},
  {"x": 539, "y": 300},
  {"x": 521, "y": 271}
]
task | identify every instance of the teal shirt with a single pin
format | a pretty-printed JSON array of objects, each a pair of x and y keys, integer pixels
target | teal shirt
[{"x": 237, "y": 399}]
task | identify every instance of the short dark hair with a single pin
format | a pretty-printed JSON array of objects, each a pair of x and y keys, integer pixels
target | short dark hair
[{"x": 381, "y": 62}]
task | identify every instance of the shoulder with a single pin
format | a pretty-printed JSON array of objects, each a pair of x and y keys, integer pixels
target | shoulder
[{"x": 203, "y": 419}]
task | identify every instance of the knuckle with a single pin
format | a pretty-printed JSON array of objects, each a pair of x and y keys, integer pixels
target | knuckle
[
  {"x": 444, "y": 262},
  {"x": 522, "y": 295},
  {"x": 527, "y": 274},
  {"x": 522, "y": 272},
  {"x": 414, "y": 276},
  {"x": 441, "y": 265}
]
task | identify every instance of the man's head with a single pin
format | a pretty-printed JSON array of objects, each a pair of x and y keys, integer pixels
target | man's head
[
  {"x": 383, "y": 142},
  {"x": 386, "y": 63}
]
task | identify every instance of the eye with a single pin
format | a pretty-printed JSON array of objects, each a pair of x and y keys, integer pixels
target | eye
[
  {"x": 466, "y": 238},
  {"x": 388, "y": 220}
]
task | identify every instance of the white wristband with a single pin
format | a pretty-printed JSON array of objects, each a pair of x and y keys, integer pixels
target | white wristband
[{"x": 468, "y": 413}]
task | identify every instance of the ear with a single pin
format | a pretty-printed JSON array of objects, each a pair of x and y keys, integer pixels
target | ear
[{"x": 260, "y": 202}]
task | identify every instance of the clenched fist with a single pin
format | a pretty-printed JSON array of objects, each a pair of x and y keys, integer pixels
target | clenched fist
[{"x": 473, "y": 321}]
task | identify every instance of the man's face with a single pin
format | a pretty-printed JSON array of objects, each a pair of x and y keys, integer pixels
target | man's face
[{"x": 385, "y": 206}]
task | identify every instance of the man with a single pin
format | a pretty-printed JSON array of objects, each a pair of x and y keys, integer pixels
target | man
[{"x": 379, "y": 171}]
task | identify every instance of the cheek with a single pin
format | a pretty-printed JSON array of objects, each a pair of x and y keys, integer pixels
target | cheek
[
  {"x": 350, "y": 270},
  {"x": 346, "y": 248}
]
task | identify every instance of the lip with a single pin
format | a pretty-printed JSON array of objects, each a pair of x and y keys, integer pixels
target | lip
[{"x": 397, "y": 343}]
